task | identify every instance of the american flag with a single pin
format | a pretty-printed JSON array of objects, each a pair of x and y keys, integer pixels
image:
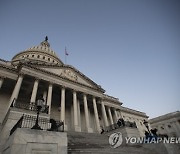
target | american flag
[{"x": 66, "y": 53}]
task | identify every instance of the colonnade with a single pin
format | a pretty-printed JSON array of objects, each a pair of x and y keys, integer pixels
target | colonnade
[{"x": 16, "y": 90}]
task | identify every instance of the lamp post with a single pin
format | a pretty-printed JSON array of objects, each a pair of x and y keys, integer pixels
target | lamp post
[
  {"x": 39, "y": 106},
  {"x": 147, "y": 126}
]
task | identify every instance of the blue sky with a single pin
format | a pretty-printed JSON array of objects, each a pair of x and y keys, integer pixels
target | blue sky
[{"x": 130, "y": 47}]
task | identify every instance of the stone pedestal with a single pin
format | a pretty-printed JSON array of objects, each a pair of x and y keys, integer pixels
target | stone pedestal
[
  {"x": 77, "y": 129},
  {"x": 126, "y": 132},
  {"x": 28, "y": 141},
  {"x": 90, "y": 130}
]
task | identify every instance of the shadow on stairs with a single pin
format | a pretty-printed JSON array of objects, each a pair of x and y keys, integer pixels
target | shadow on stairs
[{"x": 93, "y": 143}]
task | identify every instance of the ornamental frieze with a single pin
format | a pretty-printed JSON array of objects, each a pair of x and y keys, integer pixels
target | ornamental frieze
[{"x": 69, "y": 74}]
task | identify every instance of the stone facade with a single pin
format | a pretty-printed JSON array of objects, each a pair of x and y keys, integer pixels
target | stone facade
[
  {"x": 28, "y": 141},
  {"x": 168, "y": 124},
  {"x": 71, "y": 97}
]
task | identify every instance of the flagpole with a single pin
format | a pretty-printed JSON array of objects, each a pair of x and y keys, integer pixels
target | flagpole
[
  {"x": 65, "y": 55},
  {"x": 65, "y": 59}
]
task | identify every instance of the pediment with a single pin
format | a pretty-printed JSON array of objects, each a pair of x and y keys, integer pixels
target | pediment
[{"x": 72, "y": 74}]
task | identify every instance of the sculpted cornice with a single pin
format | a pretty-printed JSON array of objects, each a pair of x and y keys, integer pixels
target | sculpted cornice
[
  {"x": 111, "y": 99},
  {"x": 131, "y": 111},
  {"x": 115, "y": 104},
  {"x": 163, "y": 122},
  {"x": 8, "y": 68},
  {"x": 8, "y": 72},
  {"x": 84, "y": 76},
  {"x": 35, "y": 66},
  {"x": 66, "y": 81},
  {"x": 165, "y": 117},
  {"x": 62, "y": 77},
  {"x": 112, "y": 105}
]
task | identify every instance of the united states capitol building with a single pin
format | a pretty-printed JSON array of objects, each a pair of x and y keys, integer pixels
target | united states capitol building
[{"x": 68, "y": 95}]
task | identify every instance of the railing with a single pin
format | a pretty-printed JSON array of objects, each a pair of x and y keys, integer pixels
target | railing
[
  {"x": 17, "y": 125},
  {"x": 28, "y": 121},
  {"x": 121, "y": 123},
  {"x": 7, "y": 115},
  {"x": 29, "y": 106}
]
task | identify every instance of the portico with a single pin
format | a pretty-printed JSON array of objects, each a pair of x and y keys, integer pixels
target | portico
[
  {"x": 81, "y": 105},
  {"x": 68, "y": 94}
]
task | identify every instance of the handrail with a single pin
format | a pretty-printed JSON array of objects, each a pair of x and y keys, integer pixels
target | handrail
[
  {"x": 28, "y": 121},
  {"x": 7, "y": 114},
  {"x": 17, "y": 125}
]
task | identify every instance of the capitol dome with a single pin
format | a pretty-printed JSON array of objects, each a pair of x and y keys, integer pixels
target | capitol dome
[{"x": 41, "y": 54}]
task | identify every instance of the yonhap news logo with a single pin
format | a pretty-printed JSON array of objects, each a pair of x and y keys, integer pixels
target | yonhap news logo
[{"x": 116, "y": 139}]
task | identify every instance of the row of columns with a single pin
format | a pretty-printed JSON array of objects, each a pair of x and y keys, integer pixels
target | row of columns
[{"x": 75, "y": 104}]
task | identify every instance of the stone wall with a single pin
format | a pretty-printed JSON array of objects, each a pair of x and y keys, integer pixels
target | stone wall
[{"x": 28, "y": 141}]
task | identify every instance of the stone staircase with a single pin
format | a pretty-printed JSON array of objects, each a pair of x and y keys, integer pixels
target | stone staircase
[{"x": 93, "y": 143}]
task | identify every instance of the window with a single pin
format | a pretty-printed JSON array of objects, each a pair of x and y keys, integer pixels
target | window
[
  {"x": 48, "y": 59},
  {"x": 169, "y": 126},
  {"x": 162, "y": 127},
  {"x": 27, "y": 55},
  {"x": 43, "y": 57},
  {"x": 32, "y": 55},
  {"x": 38, "y": 56}
]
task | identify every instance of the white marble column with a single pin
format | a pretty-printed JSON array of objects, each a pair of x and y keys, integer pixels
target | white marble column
[
  {"x": 49, "y": 97},
  {"x": 63, "y": 107},
  {"x": 79, "y": 114},
  {"x": 63, "y": 104},
  {"x": 16, "y": 90},
  {"x": 76, "y": 127},
  {"x": 96, "y": 115},
  {"x": 104, "y": 114},
  {"x": 34, "y": 91},
  {"x": 110, "y": 116},
  {"x": 86, "y": 111},
  {"x": 1, "y": 81},
  {"x": 45, "y": 96},
  {"x": 116, "y": 116}
]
